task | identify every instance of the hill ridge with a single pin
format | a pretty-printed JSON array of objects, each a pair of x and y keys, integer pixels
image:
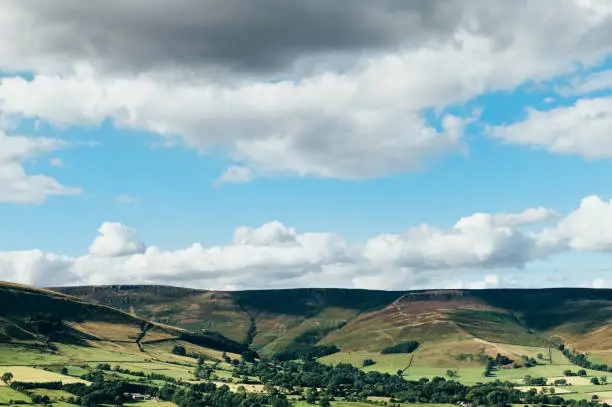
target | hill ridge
[
  {"x": 38, "y": 317},
  {"x": 354, "y": 319}
]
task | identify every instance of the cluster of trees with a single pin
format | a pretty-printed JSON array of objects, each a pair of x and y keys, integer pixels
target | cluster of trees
[
  {"x": 580, "y": 359},
  {"x": 213, "y": 340},
  {"x": 316, "y": 383},
  {"x": 352, "y": 384},
  {"x": 341, "y": 380},
  {"x": 44, "y": 324},
  {"x": 98, "y": 376},
  {"x": 304, "y": 346},
  {"x": 24, "y": 387},
  {"x": 402, "y": 347},
  {"x": 249, "y": 356},
  {"x": 534, "y": 381},
  {"x": 179, "y": 350},
  {"x": 529, "y": 361},
  {"x": 368, "y": 362},
  {"x": 208, "y": 394},
  {"x": 492, "y": 363},
  {"x": 306, "y": 352},
  {"x": 117, "y": 392},
  {"x": 104, "y": 392},
  {"x": 569, "y": 373}
]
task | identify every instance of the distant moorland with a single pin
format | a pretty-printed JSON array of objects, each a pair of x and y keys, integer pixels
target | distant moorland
[{"x": 100, "y": 345}]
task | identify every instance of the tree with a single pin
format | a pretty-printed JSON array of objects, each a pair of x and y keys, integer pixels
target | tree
[
  {"x": 179, "y": 350},
  {"x": 595, "y": 380},
  {"x": 402, "y": 347},
  {"x": 540, "y": 356},
  {"x": 64, "y": 370},
  {"x": 311, "y": 396},
  {"x": 451, "y": 373},
  {"x": 249, "y": 356},
  {"x": 582, "y": 372},
  {"x": 324, "y": 402},
  {"x": 270, "y": 389},
  {"x": 603, "y": 380},
  {"x": 368, "y": 362},
  {"x": 7, "y": 377}
]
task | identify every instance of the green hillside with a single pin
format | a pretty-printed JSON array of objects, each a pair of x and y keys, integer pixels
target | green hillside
[
  {"x": 70, "y": 334},
  {"x": 48, "y": 321},
  {"x": 454, "y": 322}
]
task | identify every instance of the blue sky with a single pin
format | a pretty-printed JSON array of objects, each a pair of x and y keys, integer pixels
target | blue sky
[{"x": 339, "y": 175}]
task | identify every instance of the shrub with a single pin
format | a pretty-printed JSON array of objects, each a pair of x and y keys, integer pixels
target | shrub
[{"x": 402, "y": 347}]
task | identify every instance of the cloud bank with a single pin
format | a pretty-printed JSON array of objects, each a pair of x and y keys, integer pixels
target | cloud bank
[
  {"x": 16, "y": 184},
  {"x": 276, "y": 256},
  {"x": 254, "y": 80}
]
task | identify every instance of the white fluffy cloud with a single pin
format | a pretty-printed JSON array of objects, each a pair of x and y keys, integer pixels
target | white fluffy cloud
[
  {"x": 489, "y": 281},
  {"x": 588, "y": 228},
  {"x": 480, "y": 240},
  {"x": 16, "y": 184},
  {"x": 583, "y": 129},
  {"x": 116, "y": 240},
  {"x": 353, "y": 120},
  {"x": 274, "y": 255}
]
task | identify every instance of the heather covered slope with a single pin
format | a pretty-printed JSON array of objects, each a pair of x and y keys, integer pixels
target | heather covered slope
[
  {"x": 364, "y": 320},
  {"x": 38, "y": 317}
]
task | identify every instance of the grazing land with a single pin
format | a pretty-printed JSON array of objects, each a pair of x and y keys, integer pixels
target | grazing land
[
  {"x": 33, "y": 375},
  {"x": 98, "y": 346},
  {"x": 8, "y": 396}
]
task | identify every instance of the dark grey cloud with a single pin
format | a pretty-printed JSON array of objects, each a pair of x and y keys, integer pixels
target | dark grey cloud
[{"x": 242, "y": 35}]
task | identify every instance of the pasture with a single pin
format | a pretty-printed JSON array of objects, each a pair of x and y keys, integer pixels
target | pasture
[
  {"x": 7, "y": 395},
  {"x": 27, "y": 355},
  {"x": 150, "y": 403},
  {"x": 166, "y": 369},
  {"x": 54, "y": 395},
  {"x": 33, "y": 375}
]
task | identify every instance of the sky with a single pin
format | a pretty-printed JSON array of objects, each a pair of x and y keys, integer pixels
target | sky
[{"x": 249, "y": 144}]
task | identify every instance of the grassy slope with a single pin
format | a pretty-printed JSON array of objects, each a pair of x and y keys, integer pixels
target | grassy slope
[
  {"x": 449, "y": 322},
  {"x": 83, "y": 320},
  {"x": 88, "y": 331}
]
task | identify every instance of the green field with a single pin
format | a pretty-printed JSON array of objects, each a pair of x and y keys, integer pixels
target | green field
[
  {"x": 54, "y": 395},
  {"x": 581, "y": 387},
  {"x": 33, "y": 375},
  {"x": 166, "y": 369},
  {"x": 457, "y": 330},
  {"x": 368, "y": 404},
  {"x": 150, "y": 404},
  {"x": 11, "y": 354},
  {"x": 7, "y": 394}
]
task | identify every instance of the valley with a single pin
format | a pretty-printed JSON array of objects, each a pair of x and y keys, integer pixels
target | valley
[{"x": 547, "y": 346}]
